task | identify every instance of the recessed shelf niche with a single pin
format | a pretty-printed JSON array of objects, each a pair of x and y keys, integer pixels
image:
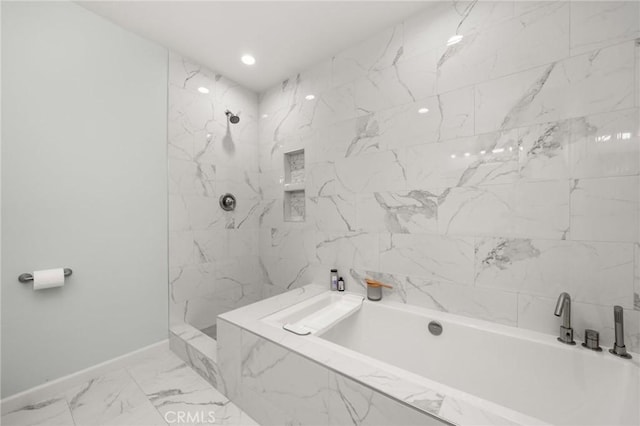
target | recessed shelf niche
[{"x": 294, "y": 184}]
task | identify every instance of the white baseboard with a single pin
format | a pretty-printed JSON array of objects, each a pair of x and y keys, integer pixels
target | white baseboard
[{"x": 55, "y": 387}]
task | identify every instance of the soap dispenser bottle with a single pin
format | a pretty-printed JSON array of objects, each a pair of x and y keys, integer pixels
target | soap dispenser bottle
[
  {"x": 340, "y": 284},
  {"x": 334, "y": 279}
]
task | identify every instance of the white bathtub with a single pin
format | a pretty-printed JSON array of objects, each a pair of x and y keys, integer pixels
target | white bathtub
[
  {"x": 529, "y": 372},
  {"x": 474, "y": 373}
]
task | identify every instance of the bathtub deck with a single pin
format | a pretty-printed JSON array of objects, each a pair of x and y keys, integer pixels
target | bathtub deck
[{"x": 247, "y": 334}]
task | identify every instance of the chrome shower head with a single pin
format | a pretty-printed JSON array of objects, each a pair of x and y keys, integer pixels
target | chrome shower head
[{"x": 234, "y": 119}]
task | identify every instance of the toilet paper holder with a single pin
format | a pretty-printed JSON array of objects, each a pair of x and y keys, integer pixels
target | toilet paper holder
[{"x": 25, "y": 278}]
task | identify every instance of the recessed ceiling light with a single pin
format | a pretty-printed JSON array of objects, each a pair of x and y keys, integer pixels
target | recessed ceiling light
[
  {"x": 423, "y": 110},
  {"x": 248, "y": 60},
  {"x": 203, "y": 90},
  {"x": 310, "y": 97},
  {"x": 454, "y": 40}
]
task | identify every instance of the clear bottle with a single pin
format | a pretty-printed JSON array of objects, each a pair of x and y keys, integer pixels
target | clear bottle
[
  {"x": 334, "y": 279},
  {"x": 340, "y": 284}
]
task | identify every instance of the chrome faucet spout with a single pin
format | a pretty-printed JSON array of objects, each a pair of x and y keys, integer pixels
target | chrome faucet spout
[{"x": 563, "y": 307}]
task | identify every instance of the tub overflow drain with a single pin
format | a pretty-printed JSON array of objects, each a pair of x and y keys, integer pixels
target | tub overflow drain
[{"x": 435, "y": 328}]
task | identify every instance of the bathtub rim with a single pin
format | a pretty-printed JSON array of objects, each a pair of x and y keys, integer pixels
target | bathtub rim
[
  {"x": 398, "y": 384},
  {"x": 507, "y": 330}
]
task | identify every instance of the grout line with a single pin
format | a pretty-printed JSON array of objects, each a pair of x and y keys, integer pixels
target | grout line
[{"x": 133, "y": 379}]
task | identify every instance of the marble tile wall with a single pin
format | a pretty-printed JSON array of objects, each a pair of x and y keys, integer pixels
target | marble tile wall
[
  {"x": 213, "y": 254},
  {"x": 481, "y": 178}
]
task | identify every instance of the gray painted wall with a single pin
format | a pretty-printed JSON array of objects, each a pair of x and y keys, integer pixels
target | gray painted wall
[{"x": 84, "y": 185}]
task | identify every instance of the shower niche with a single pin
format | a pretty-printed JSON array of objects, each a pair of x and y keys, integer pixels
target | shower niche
[{"x": 294, "y": 194}]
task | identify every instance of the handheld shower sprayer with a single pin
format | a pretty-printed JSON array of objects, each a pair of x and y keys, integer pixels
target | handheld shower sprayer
[{"x": 619, "y": 348}]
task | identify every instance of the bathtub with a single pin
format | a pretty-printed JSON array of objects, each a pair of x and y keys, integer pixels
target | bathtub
[
  {"x": 528, "y": 372},
  {"x": 474, "y": 372}
]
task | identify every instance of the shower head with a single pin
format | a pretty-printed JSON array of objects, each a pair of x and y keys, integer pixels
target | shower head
[{"x": 234, "y": 119}]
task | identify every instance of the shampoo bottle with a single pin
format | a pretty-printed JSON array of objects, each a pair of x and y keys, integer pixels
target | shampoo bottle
[{"x": 334, "y": 279}]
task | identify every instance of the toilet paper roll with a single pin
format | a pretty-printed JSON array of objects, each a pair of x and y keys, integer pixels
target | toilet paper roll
[{"x": 48, "y": 278}]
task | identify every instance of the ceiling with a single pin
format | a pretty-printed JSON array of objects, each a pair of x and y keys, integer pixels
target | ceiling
[{"x": 284, "y": 36}]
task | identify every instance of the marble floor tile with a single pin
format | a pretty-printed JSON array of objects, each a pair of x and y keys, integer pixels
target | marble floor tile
[
  {"x": 159, "y": 389},
  {"x": 50, "y": 412},
  {"x": 111, "y": 399},
  {"x": 173, "y": 388}
]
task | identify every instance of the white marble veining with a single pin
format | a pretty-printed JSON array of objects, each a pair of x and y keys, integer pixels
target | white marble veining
[
  {"x": 403, "y": 82},
  {"x": 544, "y": 151},
  {"x": 332, "y": 212},
  {"x": 591, "y": 272},
  {"x": 598, "y": 24},
  {"x": 345, "y": 251},
  {"x": 111, "y": 399},
  {"x": 229, "y": 339},
  {"x": 477, "y": 160},
  {"x": 506, "y": 48},
  {"x": 526, "y": 130},
  {"x": 539, "y": 209},
  {"x": 377, "y": 53},
  {"x": 148, "y": 391},
  {"x": 271, "y": 388},
  {"x": 54, "y": 411},
  {"x": 212, "y": 253},
  {"x": 469, "y": 300},
  {"x": 590, "y": 83},
  {"x": 171, "y": 386},
  {"x": 434, "y": 27},
  {"x": 605, "y": 209},
  {"x": 352, "y": 403},
  {"x": 442, "y": 258},
  {"x": 398, "y": 212}
]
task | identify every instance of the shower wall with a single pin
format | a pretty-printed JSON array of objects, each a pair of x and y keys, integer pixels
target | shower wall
[
  {"x": 482, "y": 177},
  {"x": 213, "y": 254}
]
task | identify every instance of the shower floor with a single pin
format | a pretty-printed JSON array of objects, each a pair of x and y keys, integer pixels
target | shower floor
[{"x": 211, "y": 331}]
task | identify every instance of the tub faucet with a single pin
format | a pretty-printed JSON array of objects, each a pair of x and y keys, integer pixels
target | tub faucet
[
  {"x": 563, "y": 307},
  {"x": 619, "y": 348}
]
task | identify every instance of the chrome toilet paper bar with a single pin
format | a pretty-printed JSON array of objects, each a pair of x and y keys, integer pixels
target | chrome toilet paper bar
[{"x": 25, "y": 278}]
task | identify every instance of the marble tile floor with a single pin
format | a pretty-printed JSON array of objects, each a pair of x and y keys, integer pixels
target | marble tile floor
[{"x": 157, "y": 390}]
